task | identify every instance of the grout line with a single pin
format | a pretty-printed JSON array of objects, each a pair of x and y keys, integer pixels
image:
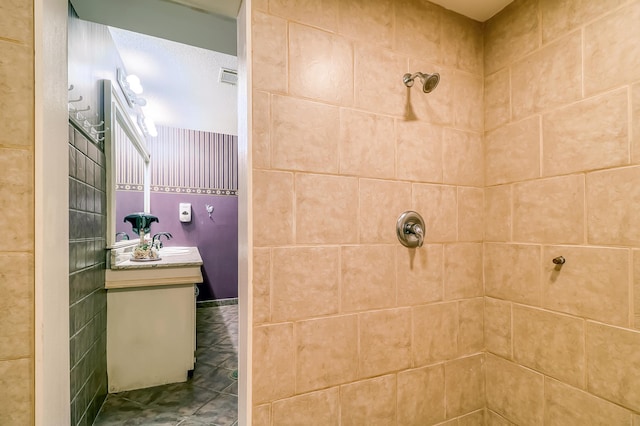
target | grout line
[
  {"x": 630, "y": 126},
  {"x": 631, "y": 292},
  {"x": 582, "y": 55}
]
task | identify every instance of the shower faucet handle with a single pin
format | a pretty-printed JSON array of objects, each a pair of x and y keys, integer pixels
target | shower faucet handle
[{"x": 410, "y": 229}]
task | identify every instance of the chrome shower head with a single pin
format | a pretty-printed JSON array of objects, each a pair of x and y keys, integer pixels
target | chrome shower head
[{"x": 429, "y": 81}]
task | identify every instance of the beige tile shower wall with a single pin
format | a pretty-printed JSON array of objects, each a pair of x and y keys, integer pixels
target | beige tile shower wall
[
  {"x": 16, "y": 213},
  {"x": 562, "y": 116},
  {"x": 350, "y": 327}
]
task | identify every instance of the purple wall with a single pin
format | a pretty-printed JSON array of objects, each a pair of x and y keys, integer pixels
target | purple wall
[{"x": 216, "y": 238}]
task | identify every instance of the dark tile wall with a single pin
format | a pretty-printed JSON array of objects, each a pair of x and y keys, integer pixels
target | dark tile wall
[{"x": 87, "y": 296}]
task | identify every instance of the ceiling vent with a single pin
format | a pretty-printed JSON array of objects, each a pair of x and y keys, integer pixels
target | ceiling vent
[{"x": 228, "y": 76}]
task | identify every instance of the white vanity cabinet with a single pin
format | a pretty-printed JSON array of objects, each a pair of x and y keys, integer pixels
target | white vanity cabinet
[{"x": 151, "y": 325}]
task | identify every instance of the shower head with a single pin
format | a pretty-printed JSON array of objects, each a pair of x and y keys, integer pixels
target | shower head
[{"x": 429, "y": 81}]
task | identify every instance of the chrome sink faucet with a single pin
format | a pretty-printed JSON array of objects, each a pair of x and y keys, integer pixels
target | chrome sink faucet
[
  {"x": 124, "y": 236},
  {"x": 156, "y": 240}
]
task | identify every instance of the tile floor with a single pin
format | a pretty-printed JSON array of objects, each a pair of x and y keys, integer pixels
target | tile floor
[{"x": 209, "y": 398}]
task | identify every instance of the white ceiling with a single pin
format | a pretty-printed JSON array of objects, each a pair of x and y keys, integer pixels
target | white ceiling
[
  {"x": 181, "y": 82},
  {"x": 480, "y": 10}
]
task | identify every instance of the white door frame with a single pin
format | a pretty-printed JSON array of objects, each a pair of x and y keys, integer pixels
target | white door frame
[{"x": 51, "y": 292}]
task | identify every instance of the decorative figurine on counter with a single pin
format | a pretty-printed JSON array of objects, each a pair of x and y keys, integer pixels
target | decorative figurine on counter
[{"x": 141, "y": 225}]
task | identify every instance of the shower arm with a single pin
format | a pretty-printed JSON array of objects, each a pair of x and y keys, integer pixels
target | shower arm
[{"x": 408, "y": 78}]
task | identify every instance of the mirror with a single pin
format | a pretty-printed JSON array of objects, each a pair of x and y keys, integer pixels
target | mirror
[{"x": 128, "y": 169}]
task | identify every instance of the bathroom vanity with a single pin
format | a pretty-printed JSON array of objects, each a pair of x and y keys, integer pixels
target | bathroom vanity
[{"x": 151, "y": 318}]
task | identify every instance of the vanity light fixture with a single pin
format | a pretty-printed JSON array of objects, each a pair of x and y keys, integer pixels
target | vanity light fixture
[
  {"x": 147, "y": 126},
  {"x": 131, "y": 88}
]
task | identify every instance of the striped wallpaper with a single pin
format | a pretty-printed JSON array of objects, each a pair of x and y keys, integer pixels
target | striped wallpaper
[{"x": 188, "y": 161}]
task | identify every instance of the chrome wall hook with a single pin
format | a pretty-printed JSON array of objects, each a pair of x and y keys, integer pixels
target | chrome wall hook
[
  {"x": 75, "y": 100},
  {"x": 93, "y": 126}
]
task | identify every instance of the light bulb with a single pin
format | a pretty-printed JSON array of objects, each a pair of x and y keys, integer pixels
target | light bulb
[
  {"x": 151, "y": 127},
  {"x": 134, "y": 84}
]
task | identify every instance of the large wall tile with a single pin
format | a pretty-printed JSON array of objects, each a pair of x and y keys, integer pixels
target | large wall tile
[
  {"x": 510, "y": 34},
  {"x": 463, "y": 158},
  {"x": 368, "y": 277},
  {"x": 462, "y": 270},
  {"x": 305, "y": 282},
  {"x": 16, "y": 183},
  {"x": 593, "y": 283},
  {"x": 497, "y": 213},
  {"x": 371, "y": 22},
  {"x": 550, "y": 343},
  {"x": 269, "y": 37},
  {"x": 16, "y": 21},
  {"x": 260, "y": 127},
  {"x": 381, "y": 202},
  {"x": 322, "y": 406},
  {"x": 16, "y": 91},
  {"x": 512, "y": 152},
  {"x": 322, "y": 14},
  {"x": 636, "y": 289},
  {"x": 464, "y": 385},
  {"x": 261, "y": 285},
  {"x": 325, "y": 208},
  {"x": 326, "y": 352},
  {"x": 497, "y": 99},
  {"x": 462, "y": 43},
  {"x": 274, "y": 346},
  {"x": 592, "y": 134},
  {"x": 419, "y": 274},
  {"x": 471, "y": 419},
  {"x": 470, "y": 326},
  {"x": 613, "y": 367},
  {"x": 560, "y": 17},
  {"x": 497, "y": 327},
  {"x": 470, "y": 214},
  {"x": 515, "y": 392},
  {"x": 512, "y": 272},
  {"x": 435, "y": 333},
  {"x": 549, "y": 210},
  {"x": 374, "y": 89},
  {"x": 261, "y": 415},
  {"x": 468, "y": 93},
  {"x": 613, "y": 203},
  {"x": 549, "y": 78},
  {"x": 419, "y": 152},
  {"x": 380, "y": 331},
  {"x": 16, "y": 392},
  {"x": 417, "y": 29},
  {"x": 369, "y": 402},
  {"x": 305, "y": 135},
  {"x": 440, "y": 224},
  {"x": 612, "y": 56},
  {"x": 565, "y": 405},
  {"x": 273, "y": 221},
  {"x": 635, "y": 123},
  {"x": 367, "y": 144},
  {"x": 320, "y": 65},
  {"x": 495, "y": 419},
  {"x": 421, "y": 396},
  {"x": 17, "y": 221}
]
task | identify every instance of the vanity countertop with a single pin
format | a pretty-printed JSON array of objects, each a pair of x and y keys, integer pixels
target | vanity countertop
[
  {"x": 170, "y": 257},
  {"x": 177, "y": 266}
]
